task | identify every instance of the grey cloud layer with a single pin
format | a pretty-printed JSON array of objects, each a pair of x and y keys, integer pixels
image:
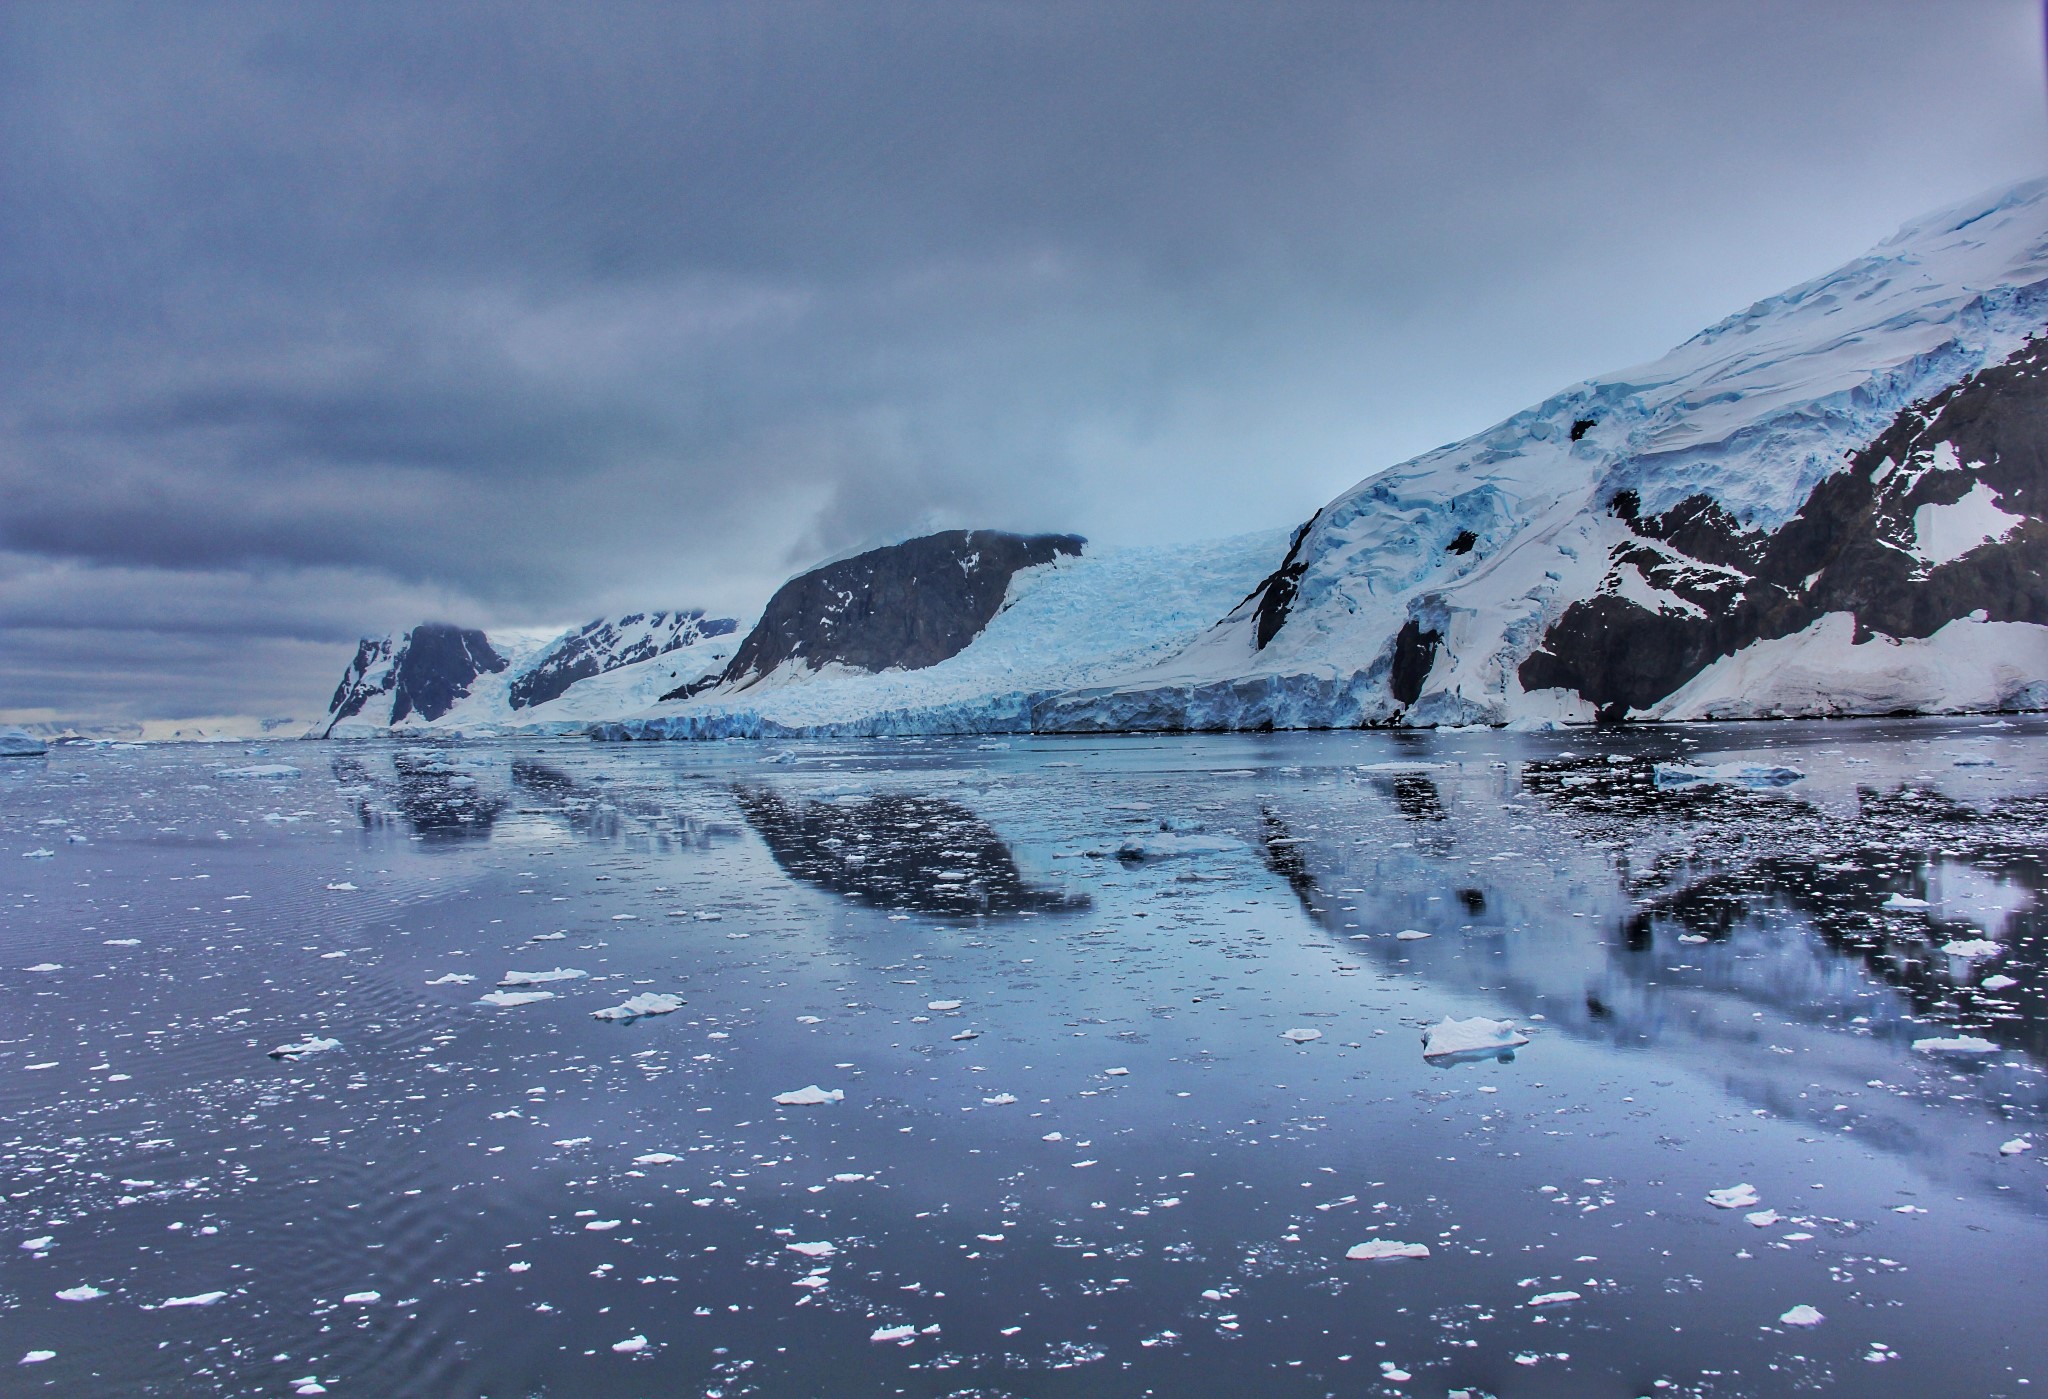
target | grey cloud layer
[{"x": 533, "y": 311}]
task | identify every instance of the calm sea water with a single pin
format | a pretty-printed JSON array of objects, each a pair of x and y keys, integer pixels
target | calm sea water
[{"x": 1129, "y": 1037}]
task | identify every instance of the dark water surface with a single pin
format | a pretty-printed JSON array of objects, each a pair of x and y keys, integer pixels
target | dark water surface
[{"x": 1109, "y": 1170}]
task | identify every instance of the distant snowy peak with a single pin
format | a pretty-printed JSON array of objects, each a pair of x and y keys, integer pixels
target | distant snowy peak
[
  {"x": 906, "y": 606},
  {"x": 605, "y": 645},
  {"x": 424, "y": 675}
]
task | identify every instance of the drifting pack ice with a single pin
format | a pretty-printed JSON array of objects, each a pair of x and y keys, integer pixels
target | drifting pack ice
[{"x": 1832, "y": 502}]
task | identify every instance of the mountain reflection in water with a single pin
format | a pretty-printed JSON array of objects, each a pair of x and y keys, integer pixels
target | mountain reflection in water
[{"x": 916, "y": 854}]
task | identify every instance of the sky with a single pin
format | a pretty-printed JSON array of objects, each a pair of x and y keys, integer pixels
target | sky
[{"x": 317, "y": 321}]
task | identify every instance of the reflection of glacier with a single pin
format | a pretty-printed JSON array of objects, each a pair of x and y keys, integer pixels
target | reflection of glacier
[
  {"x": 1741, "y": 935},
  {"x": 920, "y": 853}
]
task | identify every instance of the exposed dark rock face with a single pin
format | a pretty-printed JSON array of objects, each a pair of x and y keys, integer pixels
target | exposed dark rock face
[
  {"x": 916, "y": 853},
  {"x": 1463, "y": 543},
  {"x": 357, "y": 687},
  {"x": 1276, "y": 591},
  {"x": 604, "y": 645},
  {"x": 907, "y": 606},
  {"x": 1852, "y": 548},
  {"x": 1414, "y": 654},
  {"x": 435, "y": 668}
]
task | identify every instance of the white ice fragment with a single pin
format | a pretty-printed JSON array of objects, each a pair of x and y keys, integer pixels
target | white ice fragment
[
  {"x": 1802, "y": 1315},
  {"x": 821, "y": 1249},
  {"x": 942, "y": 1005},
  {"x": 1999, "y": 982},
  {"x": 1955, "y": 1044},
  {"x": 80, "y": 1294},
  {"x": 38, "y": 854},
  {"x": 37, "y": 1357},
  {"x": 1754, "y": 775},
  {"x": 1115, "y": 1073},
  {"x": 603, "y": 1226},
  {"x": 1975, "y": 949},
  {"x": 363, "y": 1299},
  {"x": 894, "y": 1333},
  {"x": 259, "y": 772},
  {"x": 1763, "y": 1219},
  {"x": 45, "y": 967},
  {"x": 646, "y": 1003},
  {"x": 1377, "y": 1250},
  {"x": 39, "y": 1243},
  {"x": 314, "y": 1045},
  {"x": 1733, "y": 1197},
  {"x": 199, "y": 1299},
  {"x": 1302, "y": 1036},
  {"x": 810, "y": 1096},
  {"x": 1410, "y": 935},
  {"x": 1000, "y": 1100},
  {"x": 541, "y": 978},
  {"x": 1477, "y": 1035},
  {"x": 2015, "y": 1147},
  {"x": 513, "y": 998},
  {"x": 1552, "y": 1299},
  {"x": 452, "y": 979},
  {"x": 632, "y": 1345},
  {"x": 342, "y": 887},
  {"x": 656, "y": 1158},
  {"x": 810, "y": 1020},
  {"x": 1905, "y": 902}
]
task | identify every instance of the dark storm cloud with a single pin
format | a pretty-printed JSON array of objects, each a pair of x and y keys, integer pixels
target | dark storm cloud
[{"x": 320, "y": 318}]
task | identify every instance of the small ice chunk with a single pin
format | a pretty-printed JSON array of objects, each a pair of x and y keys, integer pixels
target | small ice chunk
[
  {"x": 315, "y": 1045},
  {"x": 1000, "y": 1100},
  {"x": 513, "y": 998},
  {"x": 1552, "y": 1299},
  {"x": 37, "y": 1357},
  {"x": 1754, "y": 775},
  {"x": 198, "y": 1299},
  {"x": 1802, "y": 1315},
  {"x": 1377, "y": 1250},
  {"x": 1733, "y": 1197},
  {"x": 1999, "y": 982},
  {"x": 1955, "y": 1044},
  {"x": 1302, "y": 1035},
  {"x": 342, "y": 887},
  {"x": 1975, "y": 949},
  {"x": 810, "y": 1020},
  {"x": 1763, "y": 1219},
  {"x": 810, "y": 1096},
  {"x": 259, "y": 772},
  {"x": 80, "y": 1294},
  {"x": 39, "y": 1243},
  {"x": 45, "y": 967},
  {"x": 657, "y": 1158},
  {"x": 821, "y": 1249},
  {"x": 363, "y": 1299},
  {"x": 646, "y": 1003},
  {"x": 2015, "y": 1147},
  {"x": 1410, "y": 935},
  {"x": 603, "y": 1226},
  {"x": 541, "y": 978},
  {"x": 1905, "y": 903},
  {"x": 1477, "y": 1035},
  {"x": 942, "y": 1005},
  {"x": 452, "y": 979},
  {"x": 1115, "y": 1073}
]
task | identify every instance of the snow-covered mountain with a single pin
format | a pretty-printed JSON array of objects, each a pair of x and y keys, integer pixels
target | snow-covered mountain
[
  {"x": 454, "y": 679},
  {"x": 1835, "y": 501}
]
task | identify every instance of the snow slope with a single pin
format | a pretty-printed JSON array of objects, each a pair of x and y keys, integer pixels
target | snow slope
[{"x": 1478, "y": 549}]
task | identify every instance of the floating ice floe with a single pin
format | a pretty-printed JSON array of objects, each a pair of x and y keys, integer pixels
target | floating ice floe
[
  {"x": 1379, "y": 1250},
  {"x": 2015, "y": 1147},
  {"x": 1477, "y": 1036},
  {"x": 1552, "y": 1299},
  {"x": 1301, "y": 1035},
  {"x": 315, "y": 1045},
  {"x": 646, "y": 1003},
  {"x": 40, "y": 1244},
  {"x": 942, "y": 1005},
  {"x": 1410, "y": 935},
  {"x": 41, "y": 854},
  {"x": 363, "y": 1299},
  {"x": 1999, "y": 982},
  {"x": 1955, "y": 1044},
  {"x": 198, "y": 1299},
  {"x": 80, "y": 1294},
  {"x": 1975, "y": 949},
  {"x": 45, "y": 967},
  {"x": 1802, "y": 1315},
  {"x": 259, "y": 772},
  {"x": 37, "y": 1357},
  {"x": 1000, "y": 1100},
  {"x": 452, "y": 979},
  {"x": 810, "y": 1096},
  {"x": 821, "y": 1249},
  {"x": 1754, "y": 775},
  {"x": 342, "y": 887},
  {"x": 1733, "y": 1197},
  {"x": 20, "y": 743},
  {"x": 1167, "y": 845},
  {"x": 657, "y": 1158},
  {"x": 632, "y": 1345},
  {"x": 513, "y": 998},
  {"x": 1905, "y": 903},
  {"x": 541, "y": 978},
  {"x": 1763, "y": 1219}
]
